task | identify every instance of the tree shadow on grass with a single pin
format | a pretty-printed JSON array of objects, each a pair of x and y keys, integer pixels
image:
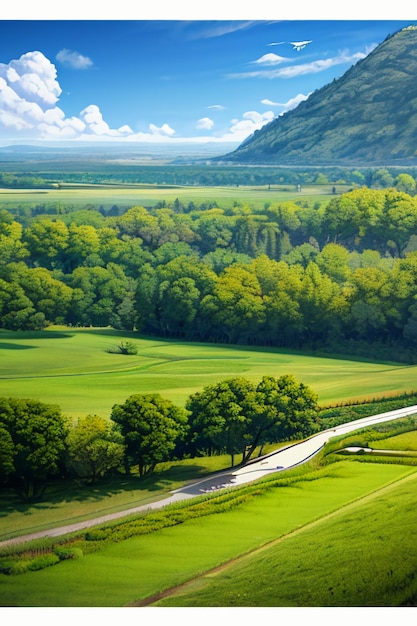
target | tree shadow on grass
[
  {"x": 77, "y": 490},
  {"x": 13, "y": 346}
]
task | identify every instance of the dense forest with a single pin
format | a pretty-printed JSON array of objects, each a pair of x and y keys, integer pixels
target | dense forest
[{"x": 339, "y": 276}]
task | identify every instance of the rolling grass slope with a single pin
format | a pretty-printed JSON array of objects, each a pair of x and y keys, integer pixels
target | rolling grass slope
[
  {"x": 327, "y": 517},
  {"x": 362, "y": 555},
  {"x": 72, "y": 368}
]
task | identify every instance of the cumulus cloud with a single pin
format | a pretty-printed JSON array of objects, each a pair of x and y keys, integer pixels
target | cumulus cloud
[
  {"x": 164, "y": 130},
  {"x": 29, "y": 92},
  {"x": 240, "y": 129},
  {"x": 205, "y": 123},
  {"x": 73, "y": 59},
  {"x": 31, "y": 78},
  {"x": 29, "y": 96},
  {"x": 95, "y": 124}
]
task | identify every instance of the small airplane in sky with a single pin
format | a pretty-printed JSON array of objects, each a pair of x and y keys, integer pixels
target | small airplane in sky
[{"x": 297, "y": 45}]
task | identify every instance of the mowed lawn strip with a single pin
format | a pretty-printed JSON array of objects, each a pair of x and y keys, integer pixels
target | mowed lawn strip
[
  {"x": 143, "y": 566},
  {"x": 73, "y": 368}
]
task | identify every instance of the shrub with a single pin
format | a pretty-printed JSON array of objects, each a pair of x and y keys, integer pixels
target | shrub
[
  {"x": 65, "y": 554},
  {"x": 40, "y": 562},
  {"x": 19, "y": 567}
]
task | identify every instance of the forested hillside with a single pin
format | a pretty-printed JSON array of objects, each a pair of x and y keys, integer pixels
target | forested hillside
[
  {"x": 369, "y": 115},
  {"x": 342, "y": 274}
]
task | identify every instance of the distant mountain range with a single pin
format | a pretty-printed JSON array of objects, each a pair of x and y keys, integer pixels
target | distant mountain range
[{"x": 366, "y": 117}]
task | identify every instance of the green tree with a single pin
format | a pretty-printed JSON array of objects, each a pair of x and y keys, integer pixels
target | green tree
[
  {"x": 97, "y": 294},
  {"x": 235, "y": 306},
  {"x": 11, "y": 246},
  {"x": 151, "y": 427},
  {"x": 6, "y": 454},
  {"x": 220, "y": 415},
  {"x": 406, "y": 183},
  {"x": 95, "y": 447},
  {"x": 38, "y": 432},
  {"x": 49, "y": 296},
  {"x": 399, "y": 220},
  {"x": 83, "y": 244},
  {"x": 179, "y": 302},
  {"x": 17, "y": 311},
  {"x": 285, "y": 410},
  {"x": 47, "y": 241}
]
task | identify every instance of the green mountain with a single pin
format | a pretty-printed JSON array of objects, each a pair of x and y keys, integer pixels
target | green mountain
[{"x": 368, "y": 116}]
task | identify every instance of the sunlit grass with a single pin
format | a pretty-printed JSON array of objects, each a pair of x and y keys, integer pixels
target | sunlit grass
[
  {"x": 142, "y": 566},
  {"x": 72, "y": 368},
  {"x": 362, "y": 556},
  {"x": 405, "y": 441}
]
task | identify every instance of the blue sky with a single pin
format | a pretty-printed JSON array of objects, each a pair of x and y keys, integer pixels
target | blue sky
[{"x": 167, "y": 79}]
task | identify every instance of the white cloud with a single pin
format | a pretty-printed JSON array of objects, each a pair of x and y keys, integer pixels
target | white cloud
[
  {"x": 270, "y": 102},
  {"x": 29, "y": 95},
  {"x": 240, "y": 129},
  {"x": 305, "y": 68},
  {"x": 32, "y": 78},
  {"x": 290, "y": 104},
  {"x": 218, "y": 107},
  {"x": 270, "y": 59},
  {"x": 164, "y": 130},
  {"x": 29, "y": 92},
  {"x": 205, "y": 123},
  {"x": 221, "y": 29},
  {"x": 73, "y": 59}
]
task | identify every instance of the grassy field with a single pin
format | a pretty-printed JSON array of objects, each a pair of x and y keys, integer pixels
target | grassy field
[
  {"x": 72, "y": 368},
  {"x": 331, "y": 517},
  {"x": 149, "y": 195},
  {"x": 405, "y": 441},
  {"x": 362, "y": 555}
]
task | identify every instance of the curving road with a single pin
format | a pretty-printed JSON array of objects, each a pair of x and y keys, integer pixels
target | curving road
[{"x": 284, "y": 458}]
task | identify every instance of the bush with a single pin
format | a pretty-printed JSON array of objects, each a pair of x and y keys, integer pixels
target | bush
[
  {"x": 40, "y": 562},
  {"x": 64, "y": 554},
  {"x": 124, "y": 347},
  {"x": 19, "y": 567}
]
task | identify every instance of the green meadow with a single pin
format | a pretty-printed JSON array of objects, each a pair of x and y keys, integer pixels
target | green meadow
[
  {"x": 299, "y": 530},
  {"x": 362, "y": 555},
  {"x": 75, "y": 369}
]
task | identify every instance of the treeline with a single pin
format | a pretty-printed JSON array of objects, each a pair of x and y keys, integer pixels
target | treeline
[
  {"x": 234, "y": 416},
  {"x": 23, "y": 181},
  {"x": 338, "y": 276},
  {"x": 222, "y": 175}
]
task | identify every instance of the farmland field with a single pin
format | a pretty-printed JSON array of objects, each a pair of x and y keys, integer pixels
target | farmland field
[
  {"x": 149, "y": 195},
  {"x": 74, "y": 369}
]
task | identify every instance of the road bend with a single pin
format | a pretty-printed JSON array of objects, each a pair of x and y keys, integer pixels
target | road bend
[{"x": 282, "y": 459}]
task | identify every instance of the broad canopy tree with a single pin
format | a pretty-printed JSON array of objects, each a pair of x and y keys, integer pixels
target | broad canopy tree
[
  {"x": 94, "y": 447},
  {"x": 34, "y": 445},
  {"x": 236, "y": 416},
  {"x": 151, "y": 426}
]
